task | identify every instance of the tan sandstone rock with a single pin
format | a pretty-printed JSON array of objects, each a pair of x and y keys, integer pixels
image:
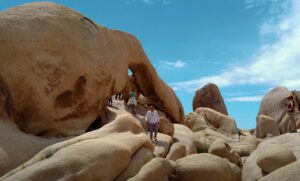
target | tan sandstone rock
[
  {"x": 17, "y": 147},
  {"x": 195, "y": 122},
  {"x": 204, "y": 167},
  {"x": 273, "y": 103},
  {"x": 218, "y": 120},
  {"x": 165, "y": 126},
  {"x": 266, "y": 125},
  {"x": 158, "y": 169},
  {"x": 162, "y": 145},
  {"x": 222, "y": 149},
  {"x": 177, "y": 151},
  {"x": 274, "y": 157},
  {"x": 288, "y": 173},
  {"x": 90, "y": 156},
  {"x": 252, "y": 172},
  {"x": 245, "y": 147},
  {"x": 184, "y": 135},
  {"x": 54, "y": 85},
  {"x": 209, "y": 96},
  {"x": 138, "y": 160},
  {"x": 237, "y": 171}
]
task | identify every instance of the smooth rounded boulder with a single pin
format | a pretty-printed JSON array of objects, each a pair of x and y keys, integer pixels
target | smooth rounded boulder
[
  {"x": 222, "y": 149},
  {"x": 195, "y": 122},
  {"x": 274, "y": 157},
  {"x": 177, "y": 151},
  {"x": 218, "y": 120},
  {"x": 184, "y": 135},
  {"x": 165, "y": 126},
  {"x": 209, "y": 96},
  {"x": 158, "y": 169},
  {"x": 90, "y": 156},
  {"x": 252, "y": 172},
  {"x": 204, "y": 167},
  {"x": 288, "y": 173},
  {"x": 266, "y": 125},
  {"x": 273, "y": 103}
]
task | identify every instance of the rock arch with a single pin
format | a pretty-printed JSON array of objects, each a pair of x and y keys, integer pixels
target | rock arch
[{"x": 60, "y": 68}]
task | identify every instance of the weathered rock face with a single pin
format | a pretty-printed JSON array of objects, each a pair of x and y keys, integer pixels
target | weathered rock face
[
  {"x": 17, "y": 147},
  {"x": 289, "y": 172},
  {"x": 245, "y": 147},
  {"x": 177, "y": 151},
  {"x": 205, "y": 166},
  {"x": 165, "y": 126},
  {"x": 195, "y": 122},
  {"x": 222, "y": 149},
  {"x": 209, "y": 96},
  {"x": 184, "y": 135},
  {"x": 252, "y": 172},
  {"x": 162, "y": 145},
  {"x": 51, "y": 84},
  {"x": 138, "y": 160},
  {"x": 218, "y": 120},
  {"x": 274, "y": 157},
  {"x": 91, "y": 156},
  {"x": 266, "y": 125},
  {"x": 273, "y": 103},
  {"x": 158, "y": 169},
  {"x": 130, "y": 86}
]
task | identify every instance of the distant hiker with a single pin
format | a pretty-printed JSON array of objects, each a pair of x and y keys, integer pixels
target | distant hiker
[
  {"x": 132, "y": 102},
  {"x": 110, "y": 101},
  {"x": 152, "y": 120},
  {"x": 239, "y": 133},
  {"x": 118, "y": 96},
  {"x": 290, "y": 110}
]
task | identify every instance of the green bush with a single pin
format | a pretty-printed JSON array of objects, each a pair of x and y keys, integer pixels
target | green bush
[{"x": 204, "y": 149}]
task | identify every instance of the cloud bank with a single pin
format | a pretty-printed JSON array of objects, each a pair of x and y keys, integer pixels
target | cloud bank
[{"x": 273, "y": 64}]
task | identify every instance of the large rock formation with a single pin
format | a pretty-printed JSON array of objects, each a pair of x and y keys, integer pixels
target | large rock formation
[
  {"x": 99, "y": 155},
  {"x": 58, "y": 69},
  {"x": 274, "y": 157},
  {"x": 273, "y": 103},
  {"x": 204, "y": 167},
  {"x": 252, "y": 172},
  {"x": 222, "y": 149},
  {"x": 265, "y": 125},
  {"x": 17, "y": 147},
  {"x": 209, "y": 96},
  {"x": 218, "y": 120}
]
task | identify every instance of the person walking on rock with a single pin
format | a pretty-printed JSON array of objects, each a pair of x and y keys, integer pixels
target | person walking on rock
[
  {"x": 152, "y": 120},
  {"x": 290, "y": 106},
  {"x": 110, "y": 101},
  {"x": 132, "y": 102},
  {"x": 118, "y": 96}
]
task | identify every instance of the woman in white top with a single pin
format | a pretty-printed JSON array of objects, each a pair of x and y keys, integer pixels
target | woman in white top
[
  {"x": 152, "y": 120},
  {"x": 132, "y": 102}
]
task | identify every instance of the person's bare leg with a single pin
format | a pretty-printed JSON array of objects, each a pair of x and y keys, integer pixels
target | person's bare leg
[
  {"x": 155, "y": 133},
  {"x": 151, "y": 135},
  {"x": 134, "y": 109}
]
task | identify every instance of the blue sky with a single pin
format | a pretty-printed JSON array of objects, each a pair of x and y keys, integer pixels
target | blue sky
[{"x": 246, "y": 47}]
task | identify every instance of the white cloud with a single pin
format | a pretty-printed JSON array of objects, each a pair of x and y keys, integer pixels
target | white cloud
[
  {"x": 172, "y": 64},
  {"x": 273, "y": 64},
  {"x": 245, "y": 99}
]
